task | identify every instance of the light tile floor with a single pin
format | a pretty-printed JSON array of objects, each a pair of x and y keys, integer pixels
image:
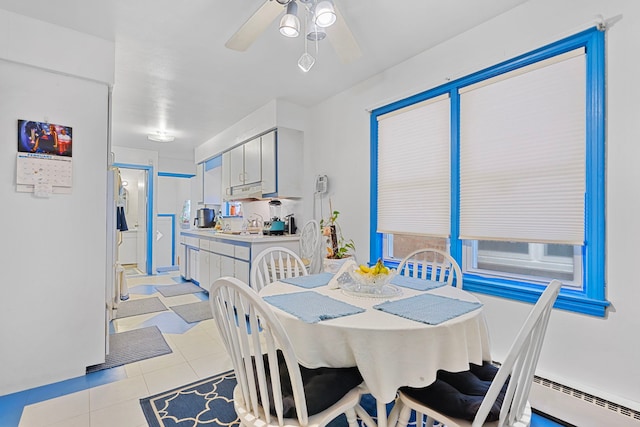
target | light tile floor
[
  {"x": 110, "y": 398},
  {"x": 197, "y": 353}
]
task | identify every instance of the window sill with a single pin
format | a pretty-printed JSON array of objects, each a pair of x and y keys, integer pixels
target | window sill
[{"x": 567, "y": 299}]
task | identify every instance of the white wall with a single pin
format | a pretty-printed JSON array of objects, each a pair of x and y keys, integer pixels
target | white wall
[
  {"x": 52, "y": 309},
  {"x": 592, "y": 354},
  {"x": 275, "y": 113}
]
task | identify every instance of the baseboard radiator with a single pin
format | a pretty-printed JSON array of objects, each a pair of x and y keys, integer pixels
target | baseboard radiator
[{"x": 579, "y": 408}]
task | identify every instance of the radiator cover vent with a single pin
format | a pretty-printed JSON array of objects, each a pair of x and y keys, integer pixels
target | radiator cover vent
[{"x": 594, "y": 400}]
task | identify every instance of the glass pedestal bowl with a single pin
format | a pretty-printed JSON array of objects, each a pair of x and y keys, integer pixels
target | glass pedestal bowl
[{"x": 368, "y": 283}]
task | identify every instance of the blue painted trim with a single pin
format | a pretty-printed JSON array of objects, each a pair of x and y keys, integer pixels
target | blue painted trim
[
  {"x": 176, "y": 175},
  {"x": 173, "y": 236},
  {"x": 375, "y": 238},
  {"x": 594, "y": 255},
  {"x": 455, "y": 244},
  {"x": 12, "y": 405},
  {"x": 567, "y": 299},
  {"x": 213, "y": 163},
  {"x": 590, "y": 301},
  {"x": 150, "y": 192}
]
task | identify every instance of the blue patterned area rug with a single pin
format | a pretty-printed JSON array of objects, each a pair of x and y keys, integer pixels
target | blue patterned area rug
[{"x": 209, "y": 402}]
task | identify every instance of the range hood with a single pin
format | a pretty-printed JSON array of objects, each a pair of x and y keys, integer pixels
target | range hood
[{"x": 249, "y": 191}]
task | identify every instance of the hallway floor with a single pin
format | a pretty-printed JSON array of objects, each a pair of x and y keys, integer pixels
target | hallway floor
[
  {"x": 111, "y": 397},
  {"x": 197, "y": 353}
]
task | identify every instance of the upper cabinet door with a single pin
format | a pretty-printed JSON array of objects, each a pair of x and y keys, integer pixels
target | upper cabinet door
[
  {"x": 269, "y": 183},
  {"x": 236, "y": 166},
  {"x": 252, "y": 168},
  {"x": 226, "y": 174}
]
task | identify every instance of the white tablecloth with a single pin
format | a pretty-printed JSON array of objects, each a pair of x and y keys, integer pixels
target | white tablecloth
[{"x": 390, "y": 351}]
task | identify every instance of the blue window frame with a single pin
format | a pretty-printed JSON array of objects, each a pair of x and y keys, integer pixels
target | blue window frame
[{"x": 590, "y": 297}]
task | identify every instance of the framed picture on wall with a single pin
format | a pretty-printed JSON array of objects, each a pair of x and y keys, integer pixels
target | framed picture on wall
[{"x": 44, "y": 138}]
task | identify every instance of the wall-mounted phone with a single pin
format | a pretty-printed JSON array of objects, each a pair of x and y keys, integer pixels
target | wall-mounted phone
[{"x": 321, "y": 184}]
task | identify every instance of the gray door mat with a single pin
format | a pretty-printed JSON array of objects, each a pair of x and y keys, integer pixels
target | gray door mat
[
  {"x": 179, "y": 289},
  {"x": 194, "y": 312},
  {"x": 133, "y": 346},
  {"x": 135, "y": 307}
]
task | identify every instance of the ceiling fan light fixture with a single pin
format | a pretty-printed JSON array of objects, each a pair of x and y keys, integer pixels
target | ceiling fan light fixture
[
  {"x": 290, "y": 24},
  {"x": 325, "y": 14},
  {"x": 306, "y": 61}
]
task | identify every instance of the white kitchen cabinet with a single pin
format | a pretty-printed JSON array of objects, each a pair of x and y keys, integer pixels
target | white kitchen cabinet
[
  {"x": 282, "y": 160},
  {"x": 252, "y": 158},
  {"x": 194, "y": 265},
  {"x": 210, "y": 256},
  {"x": 225, "y": 179},
  {"x": 244, "y": 163},
  {"x": 204, "y": 261},
  {"x": 235, "y": 158},
  {"x": 241, "y": 270},
  {"x": 182, "y": 260}
]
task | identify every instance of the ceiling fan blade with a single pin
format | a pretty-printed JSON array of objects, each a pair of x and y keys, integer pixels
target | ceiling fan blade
[
  {"x": 254, "y": 26},
  {"x": 342, "y": 39}
]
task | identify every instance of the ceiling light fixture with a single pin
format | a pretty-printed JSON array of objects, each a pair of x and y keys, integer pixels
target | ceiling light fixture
[
  {"x": 318, "y": 14},
  {"x": 325, "y": 14},
  {"x": 160, "y": 137},
  {"x": 290, "y": 24}
]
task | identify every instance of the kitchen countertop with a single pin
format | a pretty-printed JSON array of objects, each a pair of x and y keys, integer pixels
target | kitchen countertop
[{"x": 249, "y": 238}]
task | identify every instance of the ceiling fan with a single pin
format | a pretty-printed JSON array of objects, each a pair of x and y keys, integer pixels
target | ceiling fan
[{"x": 339, "y": 34}]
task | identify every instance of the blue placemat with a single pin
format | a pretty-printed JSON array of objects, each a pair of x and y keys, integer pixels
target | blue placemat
[
  {"x": 310, "y": 281},
  {"x": 311, "y": 307},
  {"x": 415, "y": 283},
  {"x": 428, "y": 308}
]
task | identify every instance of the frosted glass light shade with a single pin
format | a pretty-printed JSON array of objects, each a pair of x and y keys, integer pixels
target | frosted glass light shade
[
  {"x": 290, "y": 24},
  {"x": 305, "y": 62},
  {"x": 325, "y": 14}
]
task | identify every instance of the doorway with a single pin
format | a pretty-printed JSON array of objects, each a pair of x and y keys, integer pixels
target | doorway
[{"x": 136, "y": 250}]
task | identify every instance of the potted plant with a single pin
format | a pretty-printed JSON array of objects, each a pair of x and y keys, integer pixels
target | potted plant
[{"x": 338, "y": 248}]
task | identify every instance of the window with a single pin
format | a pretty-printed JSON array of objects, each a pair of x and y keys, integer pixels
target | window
[{"x": 524, "y": 200}]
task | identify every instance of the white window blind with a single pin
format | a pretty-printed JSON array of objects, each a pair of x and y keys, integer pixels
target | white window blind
[
  {"x": 522, "y": 154},
  {"x": 414, "y": 169}
]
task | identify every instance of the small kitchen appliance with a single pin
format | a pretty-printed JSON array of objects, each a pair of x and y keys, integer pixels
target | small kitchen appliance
[
  {"x": 205, "y": 218},
  {"x": 276, "y": 225},
  {"x": 290, "y": 224}
]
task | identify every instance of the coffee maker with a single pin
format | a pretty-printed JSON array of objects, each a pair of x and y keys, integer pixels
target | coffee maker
[
  {"x": 290, "y": 224},
  {"x": 275, "y": 226}
]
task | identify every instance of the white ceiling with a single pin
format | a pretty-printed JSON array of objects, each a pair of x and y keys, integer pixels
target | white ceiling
[{"x": 173, "y": 71}]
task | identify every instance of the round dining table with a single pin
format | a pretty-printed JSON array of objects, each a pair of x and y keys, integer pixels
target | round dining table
[{"x": 390, "y": 351}]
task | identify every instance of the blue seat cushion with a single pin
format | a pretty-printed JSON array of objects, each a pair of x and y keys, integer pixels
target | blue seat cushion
[{"x": 460, "y": 394}]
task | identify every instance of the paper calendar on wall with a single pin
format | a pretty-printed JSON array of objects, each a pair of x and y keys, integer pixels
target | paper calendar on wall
[{"x": 43, "y": 162}]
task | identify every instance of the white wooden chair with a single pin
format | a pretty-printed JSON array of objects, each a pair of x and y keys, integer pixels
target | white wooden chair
[
  {"x": 431, "y": 264},
  {"x": 518, "y": 369},
  {"x": 265, "y": 364},
  {"x": 311, "y": 246},
  {"x": 273, "y": 264}
]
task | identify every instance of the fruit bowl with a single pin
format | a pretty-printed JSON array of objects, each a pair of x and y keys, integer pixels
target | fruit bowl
[{"x": 371, "y": 282}]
